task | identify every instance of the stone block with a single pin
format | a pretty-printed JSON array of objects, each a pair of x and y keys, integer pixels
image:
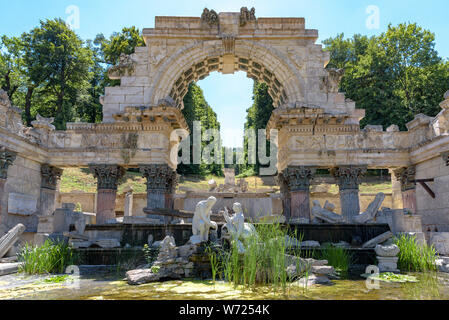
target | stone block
[
  {"x": 22, "y": 204},
  {"x": 440, "y": 240},
  {"x": 377, "y": 240},
  {"x": 387, "y": 251},
  {"x": 388, "y": 264}
]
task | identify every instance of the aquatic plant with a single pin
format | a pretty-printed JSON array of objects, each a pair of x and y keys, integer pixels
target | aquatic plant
[
  {"x": 51, "y": 257},
  {"x": 392, "y": 277},
  {"x": 264, "y": 262},
  {"x": 414, "y": 256},
  {"x": 337, "y": 257}
]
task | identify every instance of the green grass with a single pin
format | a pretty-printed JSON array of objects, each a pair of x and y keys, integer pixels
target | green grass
[
  {"x": 414, "y": 256},
  {"x": 81, "y": 180},
  {"x": 337, "y": 257},
  {"x": 50, "y": 258}
]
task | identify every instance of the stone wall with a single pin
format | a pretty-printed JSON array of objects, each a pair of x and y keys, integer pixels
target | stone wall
[
  {"x": 434, "y": 212},
  {"x": 23, "y": 191},
  {"x": 255, "y": 204}
]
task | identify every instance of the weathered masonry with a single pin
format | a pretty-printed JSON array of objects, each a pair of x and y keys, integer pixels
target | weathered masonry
[{"x": 317, "y": 126}]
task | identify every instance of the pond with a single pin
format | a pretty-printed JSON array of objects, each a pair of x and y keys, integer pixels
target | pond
[{"x": 430, "y": 286}]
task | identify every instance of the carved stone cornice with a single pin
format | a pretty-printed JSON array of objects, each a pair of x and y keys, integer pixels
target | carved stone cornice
[
  {"x": 7, "y": 158},
  {"x": 50, "y": 176},
  {"x": 160, "y": 177},
  {"x": 348, "y": 177},
  {"x": 298, "y": 178},
  {"x": 107, "y": 175},
  {"x": 406, "y": 175},
  {"x": 446, "y": 158}
]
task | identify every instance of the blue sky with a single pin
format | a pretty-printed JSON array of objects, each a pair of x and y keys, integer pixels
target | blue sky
[{"x": 328, "y": 16}]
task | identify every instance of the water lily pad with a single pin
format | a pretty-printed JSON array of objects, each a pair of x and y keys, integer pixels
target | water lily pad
[{"x": 391, "y": 277}]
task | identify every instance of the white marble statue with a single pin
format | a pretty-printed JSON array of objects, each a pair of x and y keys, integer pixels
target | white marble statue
[
  {"x": 201, "y": 222},
  {"x": 235, "y": 228}
]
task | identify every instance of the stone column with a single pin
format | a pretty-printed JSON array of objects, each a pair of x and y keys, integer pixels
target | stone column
[
  {"x": 108, "y": 177},
  {"x": 348, "y": 180},
  {"x": 7, "y": 158},
  {"x": 298, "y": 182},
  {"x": 49, "y": 189},
  {"x": 396, "y": 191},
  {"x": 285, "y": 194},
  {"x": 161, "y": 184},
  {"x": 406, "y": 176}
]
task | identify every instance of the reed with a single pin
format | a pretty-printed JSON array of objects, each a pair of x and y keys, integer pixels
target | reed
[
  {"x": 51, "y": 257},
  {"x": 337, "y": 257},
  {"x": 414, "y": 256}
]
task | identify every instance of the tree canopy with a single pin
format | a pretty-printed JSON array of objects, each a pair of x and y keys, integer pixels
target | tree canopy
[{"x": 393, "y": 76}]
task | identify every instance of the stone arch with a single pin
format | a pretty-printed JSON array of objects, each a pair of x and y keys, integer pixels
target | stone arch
[{"x": 196, "y": 61}]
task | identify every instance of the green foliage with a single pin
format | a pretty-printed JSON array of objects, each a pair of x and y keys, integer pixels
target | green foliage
[
  {"x": 150, "y": 254},
  {"x": 257, "y": 118},
  {"x": 393, "y": 76},
  {"x": 337, "y": 257},
  {"x": 414, "y": 256},
  {"x": 58, "y": 61},
  {"x": 263, "y": 263},
  {"x": 51, "y": 257},
  {"x": 123, "y": 42},
  {"x": 57, "y": 279},
  {"x": 196, "y": 108}
]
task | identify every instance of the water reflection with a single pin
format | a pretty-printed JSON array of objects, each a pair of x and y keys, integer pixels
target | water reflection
[{"x": 430, "y": 286}]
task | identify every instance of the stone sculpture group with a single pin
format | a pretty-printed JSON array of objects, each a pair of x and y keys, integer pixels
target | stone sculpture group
[{"x": 235, "y": 228}]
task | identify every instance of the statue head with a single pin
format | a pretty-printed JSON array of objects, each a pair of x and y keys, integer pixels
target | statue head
[
  {"x": 211, "y": 201},
  {"x": 237, "y": 207}
]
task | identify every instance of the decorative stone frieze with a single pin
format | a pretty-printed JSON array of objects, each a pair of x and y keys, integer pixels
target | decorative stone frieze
[
  {"x": 50, "y": 176},
  {"x": 348, "y": 177},
  {"x": 107, "y": 176},
  {"x": 406, "y": 175},
  {"x": 7, "y": 158},
  {"x": 298, "y": 178},
  {"x": 160, "y": 177}
]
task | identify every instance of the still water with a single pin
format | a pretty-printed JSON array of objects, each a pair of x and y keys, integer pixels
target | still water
[{"x": 431, "y": 286}]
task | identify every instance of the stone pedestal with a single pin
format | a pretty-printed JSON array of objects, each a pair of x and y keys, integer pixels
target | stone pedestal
[
  {"x": 129, "y": 199},
  {"x": 295, "y": 187},
  {"x": 161, "y": 184},
  {"x": 108, "y": 177},
  {"x": 348, "y": 180}
]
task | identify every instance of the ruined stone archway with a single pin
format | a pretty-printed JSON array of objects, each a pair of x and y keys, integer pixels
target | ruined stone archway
[{"x": 260, "y": 63}]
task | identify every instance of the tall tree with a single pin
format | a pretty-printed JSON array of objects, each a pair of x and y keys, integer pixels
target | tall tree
[
  {"x": 393, "y": 76},
  {"x": 58, "y": 60},
  {"x": 119, "y": 42},
  {"x": 196, "y": 108},
  {"x": 257, "y": 118}
]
